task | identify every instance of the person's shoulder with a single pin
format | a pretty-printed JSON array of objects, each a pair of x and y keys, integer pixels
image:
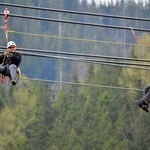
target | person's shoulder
[
  {"x": 2, "y": 55},
  {"x": 17, "y": 53}
]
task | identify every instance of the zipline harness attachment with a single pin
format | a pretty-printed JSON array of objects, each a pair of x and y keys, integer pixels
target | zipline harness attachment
[{"x": 136, "y": 37}]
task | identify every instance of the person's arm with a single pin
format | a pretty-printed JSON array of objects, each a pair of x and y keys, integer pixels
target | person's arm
[
  {"x": 16, "y": 58},
  {"x": 1, "y": 59}
]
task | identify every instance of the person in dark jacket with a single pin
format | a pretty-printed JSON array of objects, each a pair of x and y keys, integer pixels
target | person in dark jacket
[
  {"x": 144, "y": 102},
  {"x": 10, "y": 62}
]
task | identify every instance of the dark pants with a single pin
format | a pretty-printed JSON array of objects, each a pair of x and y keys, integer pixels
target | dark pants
[
  {"x": 9, "y": 71},
  {"x": 146, "y": 97}
]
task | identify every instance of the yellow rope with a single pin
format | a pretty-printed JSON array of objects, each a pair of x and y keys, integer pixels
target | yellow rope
[{"x": 77, "y": 39}]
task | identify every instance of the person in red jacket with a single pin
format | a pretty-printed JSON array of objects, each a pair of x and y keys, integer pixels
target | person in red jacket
[
  {"x": 144, "y": 102},
  {"x": 10, "y": 61}
]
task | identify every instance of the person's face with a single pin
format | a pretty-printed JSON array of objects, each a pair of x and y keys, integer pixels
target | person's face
[{"x": 12, "y": 48}]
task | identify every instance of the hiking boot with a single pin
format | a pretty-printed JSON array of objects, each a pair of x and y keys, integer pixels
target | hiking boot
[
  {"x": 145, "y": 108},
  {"x": 143, "y": 105},
  {"x": 13, "y": 82}
]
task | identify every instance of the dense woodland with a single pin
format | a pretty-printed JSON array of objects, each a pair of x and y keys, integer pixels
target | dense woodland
[{"x": 38, "y": 115}]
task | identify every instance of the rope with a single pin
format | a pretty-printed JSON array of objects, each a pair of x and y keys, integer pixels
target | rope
[{"x": 75, "y": 39}]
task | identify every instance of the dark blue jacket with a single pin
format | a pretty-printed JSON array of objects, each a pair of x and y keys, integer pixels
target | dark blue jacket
[{"x": 11, "y": 58}]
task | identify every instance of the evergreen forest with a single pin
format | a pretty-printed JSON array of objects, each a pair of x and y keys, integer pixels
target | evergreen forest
[{"x": 69, "y": 104}]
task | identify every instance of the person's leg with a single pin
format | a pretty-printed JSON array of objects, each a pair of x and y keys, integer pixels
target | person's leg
[
  {"x": 143, "y": 103},
  {"x": 147, "y": 89},
  {"x": 2, "y": 69},
  {"x": 13, "y": 73},
  {"x": 146, "y": 97}
]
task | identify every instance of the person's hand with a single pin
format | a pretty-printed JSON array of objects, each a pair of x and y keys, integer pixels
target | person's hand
[
  {"x": 6, "y": 53},
  {"x": 11, "y": 54}
]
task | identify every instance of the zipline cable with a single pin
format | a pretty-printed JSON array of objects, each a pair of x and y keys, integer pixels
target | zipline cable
[
  {"x": 76, "y": 22},
  {"x": 84, "y": 55},
  {"x": 79, "y": 54},
  {"x": 82, "y": 84},
  {"x": 96, "y": 61},
  {"x": 102, "y": 62},
  {"x": 75, "y": 12}
]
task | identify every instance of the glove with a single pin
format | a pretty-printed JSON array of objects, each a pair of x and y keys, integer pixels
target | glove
[
  {"x": 11, "y": 54},
  {"x": 6, "y": 53}
]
